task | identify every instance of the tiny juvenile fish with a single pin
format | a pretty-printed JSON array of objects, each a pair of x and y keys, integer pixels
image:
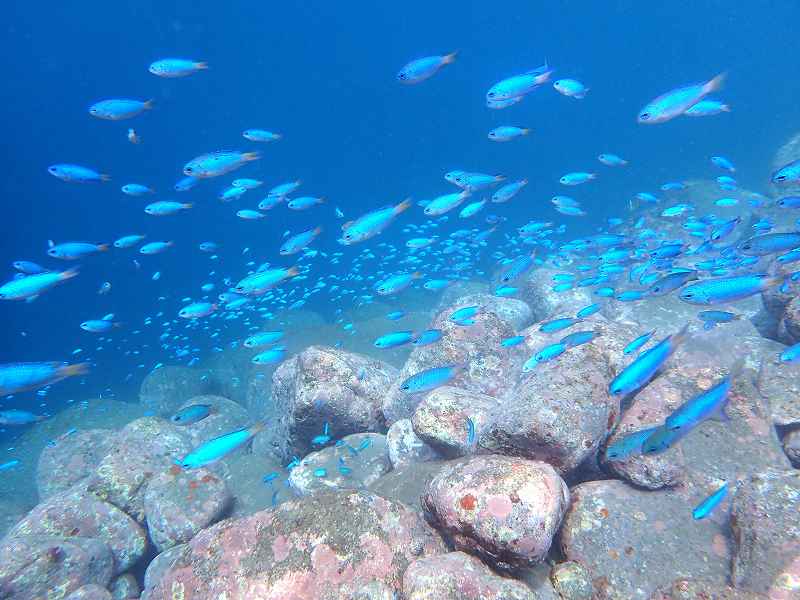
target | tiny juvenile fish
[{"x": 707, "y": 506}]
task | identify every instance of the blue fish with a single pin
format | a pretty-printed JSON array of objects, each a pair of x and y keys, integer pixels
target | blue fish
[
  {"x": 707, "y": 506},
  {"x": 638, "y": 373},
  {"x": 638, "y": 342},
  {"x": 705, "y": 405}
]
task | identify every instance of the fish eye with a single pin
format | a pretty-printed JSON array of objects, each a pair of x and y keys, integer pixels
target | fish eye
[
  {"x": 402, "y": 75},
  {"x": 189, "y": 169},
  {"x": 644, "y": 116},
  {"x": 492, "y": 94},
  {"x": 780, "y": 178}
]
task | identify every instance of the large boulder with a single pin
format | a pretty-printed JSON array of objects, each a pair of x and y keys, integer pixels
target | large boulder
[
  {"x": 504, "y": 509},
  {"x": 476, "y": 347},
  {"x": 536, "y": 289},
  {"x": 766, "y": 538},
  {"x": 124, "y": 587},
  {"x": 76, "y": 513},
  {"x": 459, "y": 576},
  {"x": 39, "y": 566},
  {"x": 443, "y": 419},
  {"x": 166, "y": 388},
  {"x": 179, "y": 503},
  {"x": 614, "y": 530},
  {"x": 142, "y": 449},
  {"x": 70, "y": 458},
  {"x": 407, "y": 483},
  {"x": 791, "y": 446},
  {"x": 161, "y": 564},
  {"x": 320, "y": 386},
  {"x": 560, "y": 411},
  {"x": 90, "y": 592},
  {"x": 356, "y": 462},
  {"x": 324, "y": 547},
  {"x": 513, "y": 311}
]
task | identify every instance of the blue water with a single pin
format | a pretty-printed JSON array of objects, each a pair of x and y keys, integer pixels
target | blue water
[{"x": 323, "y": 74}]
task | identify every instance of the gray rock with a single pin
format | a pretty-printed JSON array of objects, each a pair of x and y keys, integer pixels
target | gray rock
[
  {"x": 405, "y": 447},
  {"x": 166, "y": 388},
  {"x": 358, "y": 461},
  {"x": 124, "y": 587},
  {"x": 572, "y": 581},
  {"x": 513, "y": 311},
  {"x": 407, "y": 483},
  {"x": 504, "y": 509},
  {"x": 698, "y": 589},
  {"x": 71, "y": 458},
  {"x": 633, "y": 542},
  {"x": 791, "y": 446},
  {"x": 90, "y": 592},
  {"x": 161, "y": 564},
  {"x": 226, "y": 416},
  {"x": 536, "y": 289},
  {"x": 766, "y": 537}
]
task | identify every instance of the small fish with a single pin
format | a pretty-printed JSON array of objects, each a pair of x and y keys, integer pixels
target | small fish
[
  {"x": 640, "y": 341},
  {"x": 304, "y": 202},
  {"x": 264, "y": 338},
  {"x": 612, "y": 160},
  {"x": 572, "y": 88},
  {"x": 269, "y": 357},
  {"x": 118, "y": 109},
  {"x": 9, "y": 465},
  {"x": 443, "y": 204},
  {"x": 506, "y": 133},
  {"x": 28, "y": 268},
  {"x": 395, "y": 315},
  {"x": 104, "y": 289},
  {"x": 186, "y": 183},
  {"x": 787, "y": 174},
  {"x": 725, "y": 229},
  {"x": 769, "y": 243},
  {"x": 789, "y": 202},
  {"x": 176, "y": 67},
  {"x": 470, "y": 431},
  {"x": 671, "y": 282},
  {"x": 213, "y": 450},
  {"x": 707, "y": 108},
  {"x": 396, "y": 283},
  {"x": 249, "y": 215},
  {"x": 639, "y": 372},
  {"x": 630, "y": 445},
  {"x": 219, "y": 163},
  {"x": 394, "y": 339},
  {"x": 791, "y": 354},
  {"x": 76, "y": 173},
  {"x": 166, "y": 207},
  {"x": 428, "y": 336},
  {"x": 558, "y": 324},
  {"x": 197, "y": 310},
  {"x": 708, "y": 404},
  {"x": 261, "y": 135},
  {"x": 588, "y": 311},
  {"x": 506, "y": 192},
  {"x": 577, "y": 178},
  {"x": 18, "y": 377},
  {"x": 464, "y": 313},
  {"x": 372, "y": 223},
  {"x": 247, "y": 183},
  {"x": 662, "y": 439},
  {"x": 711, "y": 318},
  {"x": 512, "y": 341},
  {"x": 676, "y": 102},
  {"x": 727, "y": 289},
  {"x": 192, "y": 414},
  {"x": 103, "y": 325},
  {"x": 707, "y": 506},
  {"x": 430, "y": 379},
  {"x": 424, "y": 68},
  {"x": 155, "y": 247},
  {"x": 133, "y": 137},
  {"x": 723, "y": 163},
  {"x": 19, "y": 417},
  {"x": 30, "y": 287},
  {"x": 137, "y": 189},
  {"x": 259, "y": 283},
  {"x": 297, "y": 242},
  {"x": 578, "y": 338},
  {"x": 545, "y": 354},
  {"x": 518, "y": 85}
]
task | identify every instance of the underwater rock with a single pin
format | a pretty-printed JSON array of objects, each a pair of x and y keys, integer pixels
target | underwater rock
[
  {"x": 513, "y": 311},
  {"x": 71, "y": 458},
  {"x": 571, "y": 581},
  {"x": 506, "y": 510},
  {"x": 326, "y": 546},
  {"x": 229, "y": 373},
  {"x": 560, "y": 411},
  {"x": 324, "y": 385},
  {"x": 789, "y": 326},
  {"x": 459, "y": 576},
  {"x": 477, "y": 346},
  {"x": 90, "y": 592},
  {"x": 355, "y": 462},
  {"x": 179, "y": 503},
  {"x": 407, "y": 483},
  {"x": 791, "y": 447},
  {"x": 226, "y": 416},
  {"x": 536, "y": 289},
  {"x": 441, "y": 420},
  {"x": 766, "y": 539},
  {"x": 258, "y": 396},
  {"x": 698, "y": 589},
  {"x": 76, "y": 513},
  {"x": 124, "y": 587},
  {"x": 161, "y": 564},
  {"x": 613, "y": 529},
  {"x": 374, "y": 590},
  {"x": 39, "y": 566},
  {"x": 788, "y": 152},
  {"x": 166, "y": 388},
  {"x": 405, "y": 447},
  {"x": 141, "y": 449}
]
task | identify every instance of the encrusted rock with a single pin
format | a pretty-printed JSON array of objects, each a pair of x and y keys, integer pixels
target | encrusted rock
[
  {"x": 451, "y": 420},
  {"x": 39, "y": 566},
  {"x": 459, "y": 576},
  {"x": 226, "y": 416},
  {"x": 124, "y": 587},
  {"x": 356, "y": 461},
  {"x": 572, "y": 581},
  {"x": 504, "y": 509},
  {"x": 327, "y": 547},
  {"x": 179, "y": 503},
  {"x": 766, "y": 537},
  {"x": 791, "y": 446},
  {"x": 90, "y": 592},
  {"x": 70, "y": 458},
  {"x": 76, "y": 513}
]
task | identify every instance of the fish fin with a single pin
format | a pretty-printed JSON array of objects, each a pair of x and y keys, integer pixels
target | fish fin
[
  {"x": 258, "y": 427},
  {"x": 403, "y": 206},
  {"x": 322, "y": 200},
  {"x": 30, "y": 299},
  {"x": 108, "y": 317},
  {"x": 416, "y": 275},
  {"x": 249, "y": 156},
  {"x": 293, "y": 271},
  {"x": 103, "y": 247},
  {"x": 709, "y": 325},
  {"x": 346, "y": 225},
  {"x": 317, "y": 230},
  {"x": 148, "y": 104},
  {"x": 187, "y": 205},
  {"x": 715, "y": 83},
  {"x": 725, "y": 108},
  {"x": 69, "y": 273},
  {"x": 450, "y": 58},
  {"x": 526, "y": 131},
  {"x": 105, "y": 177},
  {"x": 680, "y": 337},
  {"x": 499, "y": 177},
  {"x": 76, "y": 369},
  {"x": 202, "y": 65}
]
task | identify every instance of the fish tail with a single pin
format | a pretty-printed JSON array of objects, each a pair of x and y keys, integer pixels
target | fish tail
[
  {"x": 525, "y": 130},
  {"x": 148, "y": 104},
  {"x": 249, "y": 156},
  {"x": 103, "y": 247},
  {"x": 499, "y": 177},
  {"x": 680, "y": 337},
  {"x": 105, "y": 177},
  {"x": 317, "y": 229},
  {"x": 450, "y": 58},
  {"x": 258, "y": 427},
  {"x": 292, "y": 271},
  {"x": 73, "y": 370},
  {"x": 402, "y": 207},
  {"x": 716, "y": 83},
  {"x": 69, "y": 273},
  {"x": 322, "y": 200},
  {"x": 187, "y": 205},
  {"x": 416, "y": 275},
  {"x": 725, "y": 108},
  {"x": 201, "y": 65}
]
